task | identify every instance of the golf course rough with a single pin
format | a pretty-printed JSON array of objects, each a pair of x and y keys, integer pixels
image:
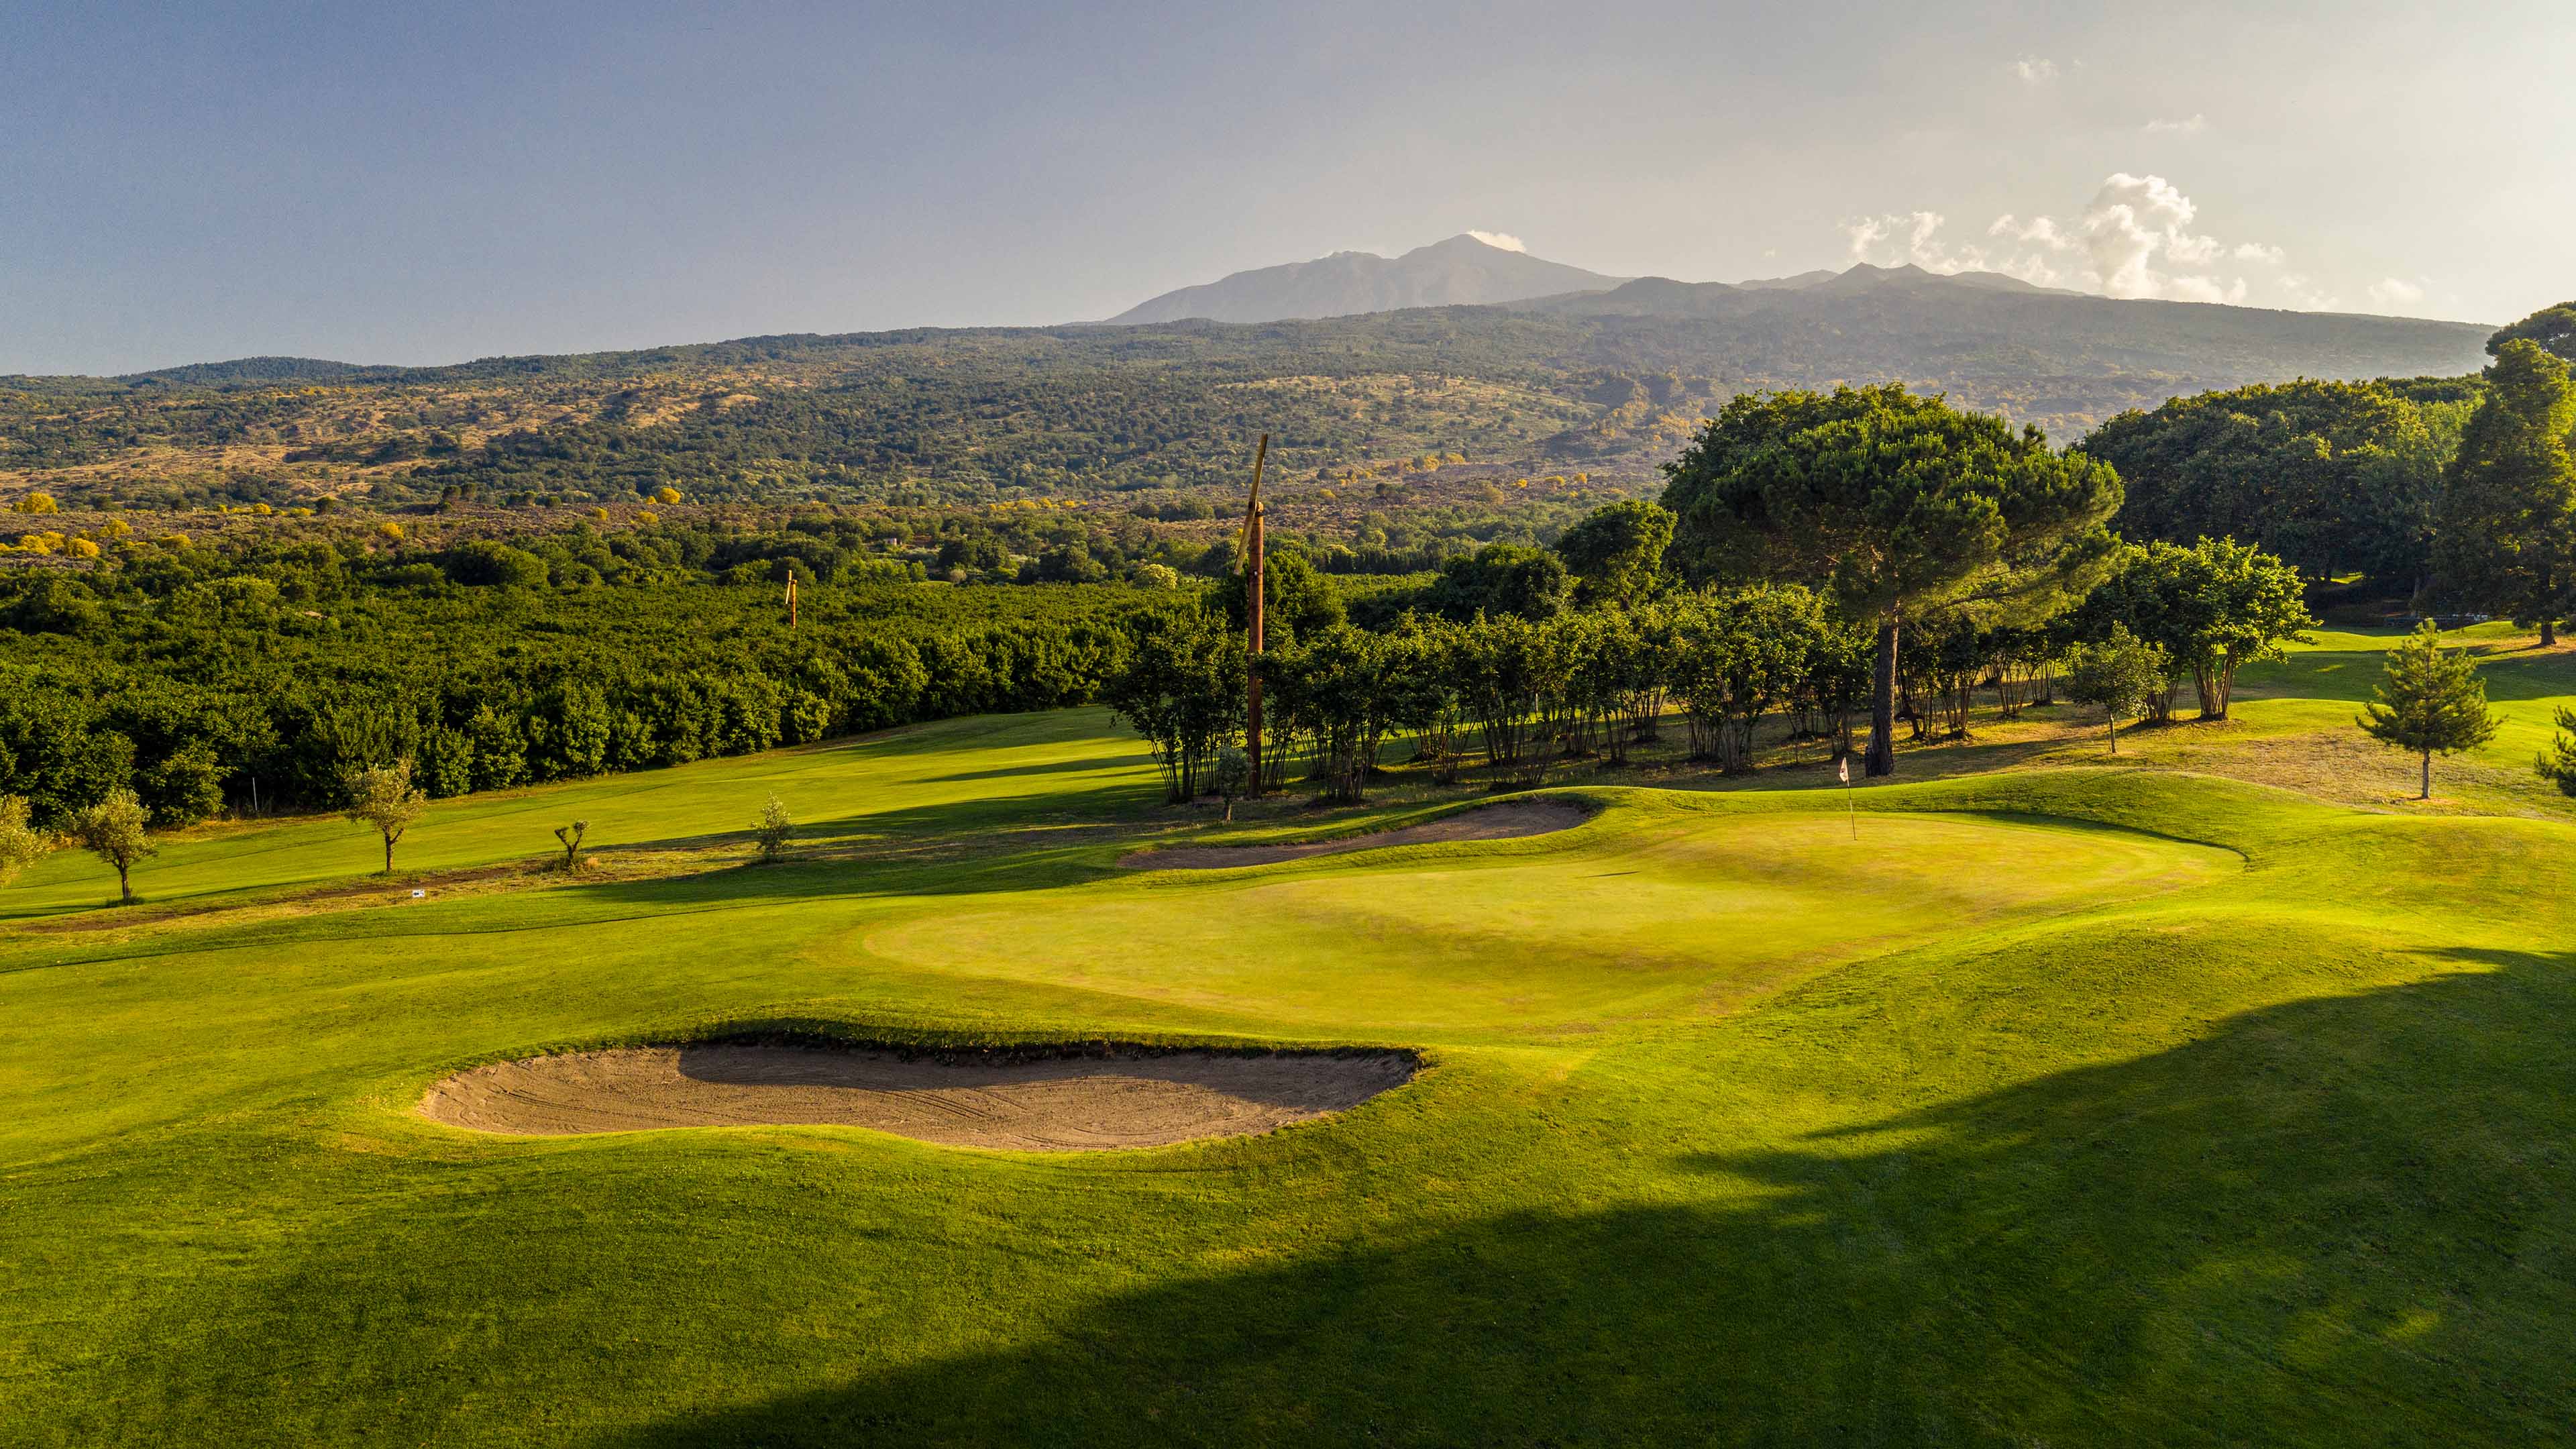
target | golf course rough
[
  {"x": 2072, "y": 1106},
  {"x": 1041, "y": 1103}
]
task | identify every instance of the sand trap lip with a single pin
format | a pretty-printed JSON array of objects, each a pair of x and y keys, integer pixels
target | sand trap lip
[
  {"x": 1063, "y": 1103},
  {"x": 1509, "y": 821}
]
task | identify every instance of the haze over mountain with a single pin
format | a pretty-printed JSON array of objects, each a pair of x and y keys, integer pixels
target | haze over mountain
[{"x": 1465, "y": 270}]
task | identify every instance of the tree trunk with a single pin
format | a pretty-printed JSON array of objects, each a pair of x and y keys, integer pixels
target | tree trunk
[
  {"x": 2115, "y": 732},
  {"x": 389, "y": 855},
  {"x": 2213, "y": 694},
  {"x": 124, "y": 892},
  {"x": 2426, "y": 793},
  {"x": 1881, "y": 759},
  {"x": 2548, "y": 632}
]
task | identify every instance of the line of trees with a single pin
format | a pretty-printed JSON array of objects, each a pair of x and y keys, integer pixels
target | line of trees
[{"x": 1511, "y": 692}]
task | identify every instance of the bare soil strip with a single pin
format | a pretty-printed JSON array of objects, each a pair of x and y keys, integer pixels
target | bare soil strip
[
  {"x": 1492, "y": 822},
  {"x": 1064, "y": 1104}
]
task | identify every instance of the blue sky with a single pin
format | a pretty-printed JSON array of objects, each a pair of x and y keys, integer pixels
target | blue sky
[{"x": 431, "y": 182}]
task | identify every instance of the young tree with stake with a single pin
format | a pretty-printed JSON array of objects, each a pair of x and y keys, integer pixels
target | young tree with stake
[
  {"x": 113, "y": 830},
  {"x": 773, "y": 830},
  {"x": 383, "y": 797},
  {"x": 2432, "y": 702}
]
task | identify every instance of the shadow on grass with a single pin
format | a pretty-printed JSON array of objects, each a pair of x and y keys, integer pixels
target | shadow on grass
[{"x": 2339, "y": 1221}]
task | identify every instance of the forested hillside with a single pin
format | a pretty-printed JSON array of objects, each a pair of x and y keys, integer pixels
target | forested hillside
[{"x": 1609, "y": 385}]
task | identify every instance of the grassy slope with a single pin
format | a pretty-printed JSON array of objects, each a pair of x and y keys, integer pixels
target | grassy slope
[{"x": 2073, "y": 1105}]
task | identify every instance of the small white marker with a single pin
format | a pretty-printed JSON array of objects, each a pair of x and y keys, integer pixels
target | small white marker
[{"x": 417, "y": 895}]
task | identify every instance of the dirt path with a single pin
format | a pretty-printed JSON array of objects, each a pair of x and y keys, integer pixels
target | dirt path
[
  {"x": 1492, "y": 822},
  {"x": 1053, "y": 1105}
]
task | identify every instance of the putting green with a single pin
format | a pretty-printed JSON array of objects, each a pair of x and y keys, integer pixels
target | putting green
[{"x": 1654, "y": 908}]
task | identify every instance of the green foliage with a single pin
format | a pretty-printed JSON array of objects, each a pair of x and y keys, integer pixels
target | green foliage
[
  {"x": 773, "y": 830},
  {"x": 383, "y": 798},
  {"x": 2118, "y": 672},
  {"x": 1180, "y": 684},
  {"x": 2335, "y": 477},
  {"x": 1739, "y": 654},
  {"x": 2431, "y": 702},
  {"x": 192, "y": 672},
  {"x": 1231, "y": 775},
  {"x": 2557, "y": 765},
  {"x": 1341, "y": 686},
  {"x": 1898, "y": 506},
  {"x": 1296, "y": 599},
  {"x": 1616, "y": 555},
  {"x": 2212, "y": 608},
  {"x": 2508, "y": 540},
  {"x": 21, "y": 843},
  {"x": 484, "y": 561},
  {"x": 1498, "y": 579},
  {"x": 2552, "y": 329},
  {"x": 114, "y": 828}
]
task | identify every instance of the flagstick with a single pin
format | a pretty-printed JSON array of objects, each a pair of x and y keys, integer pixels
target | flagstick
[{"x": 1844, "y": 769}]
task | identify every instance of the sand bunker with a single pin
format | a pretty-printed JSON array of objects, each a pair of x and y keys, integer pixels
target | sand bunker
[
  {"x": 1054, "y": 1104},
  {"x": 1492, "y": 822}
]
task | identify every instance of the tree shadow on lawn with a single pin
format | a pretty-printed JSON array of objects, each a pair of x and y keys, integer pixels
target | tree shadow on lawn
[{"x": 2338, "y": 1221}]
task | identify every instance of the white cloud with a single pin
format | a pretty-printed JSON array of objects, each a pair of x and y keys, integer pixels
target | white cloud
[
  {"x": 2396, "y": 294},
  {"x": 1913, "y": 238},
  {"x": 1900, "y": 238},
  {"x": 2033, "y": 70},
  {"x": 2135, "y": 221},
  {"x": 2193, "y": 127},
  {"x": 1502, "y": 239},
  {"x": 2136, "y": 238}
]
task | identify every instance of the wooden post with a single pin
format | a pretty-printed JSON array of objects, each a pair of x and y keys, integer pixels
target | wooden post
[
  {"x": 791, "y": 601},
  {"x": 1252, "y": 608}
]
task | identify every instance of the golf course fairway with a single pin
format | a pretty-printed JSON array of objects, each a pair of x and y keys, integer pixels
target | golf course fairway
[{"x": 2050, "y": 1106}]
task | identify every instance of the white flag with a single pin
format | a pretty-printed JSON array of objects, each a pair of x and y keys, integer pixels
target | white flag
[{"x": 1842, "y": 767}]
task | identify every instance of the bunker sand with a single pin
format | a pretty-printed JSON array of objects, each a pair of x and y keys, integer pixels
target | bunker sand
[
  {"x": 1066, "y": 1104},
  {"x": 1491, "y": 822}
]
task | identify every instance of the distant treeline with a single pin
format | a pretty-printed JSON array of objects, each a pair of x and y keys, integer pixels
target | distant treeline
[{"x": 200, "y": 678}]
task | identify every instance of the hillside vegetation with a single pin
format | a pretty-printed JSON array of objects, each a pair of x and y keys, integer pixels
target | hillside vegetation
[{"x": 1610, "y": 384}]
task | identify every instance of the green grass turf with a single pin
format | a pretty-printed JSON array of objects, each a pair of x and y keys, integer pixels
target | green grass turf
[{"x": 2063, "y": 1106}]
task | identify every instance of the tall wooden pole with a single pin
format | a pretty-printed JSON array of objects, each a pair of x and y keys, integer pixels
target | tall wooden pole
[
  {"x": 791, "y": 601},
  {"x": 1252, "y": 596}
]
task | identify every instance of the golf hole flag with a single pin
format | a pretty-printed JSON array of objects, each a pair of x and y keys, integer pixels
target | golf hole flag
[{"x": 1842, "y": 767}]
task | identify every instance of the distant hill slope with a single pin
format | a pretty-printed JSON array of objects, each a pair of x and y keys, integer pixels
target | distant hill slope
[
  {"x": 256, "y": 369},
  {"x": 1608, "y": 382},
  {"x": 1459, "y": 271},
  {"x": 1975, "y": 328}
]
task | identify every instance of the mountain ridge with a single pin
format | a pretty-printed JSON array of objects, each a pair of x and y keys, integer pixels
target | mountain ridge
[{"x": 1461, "y": 270}]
